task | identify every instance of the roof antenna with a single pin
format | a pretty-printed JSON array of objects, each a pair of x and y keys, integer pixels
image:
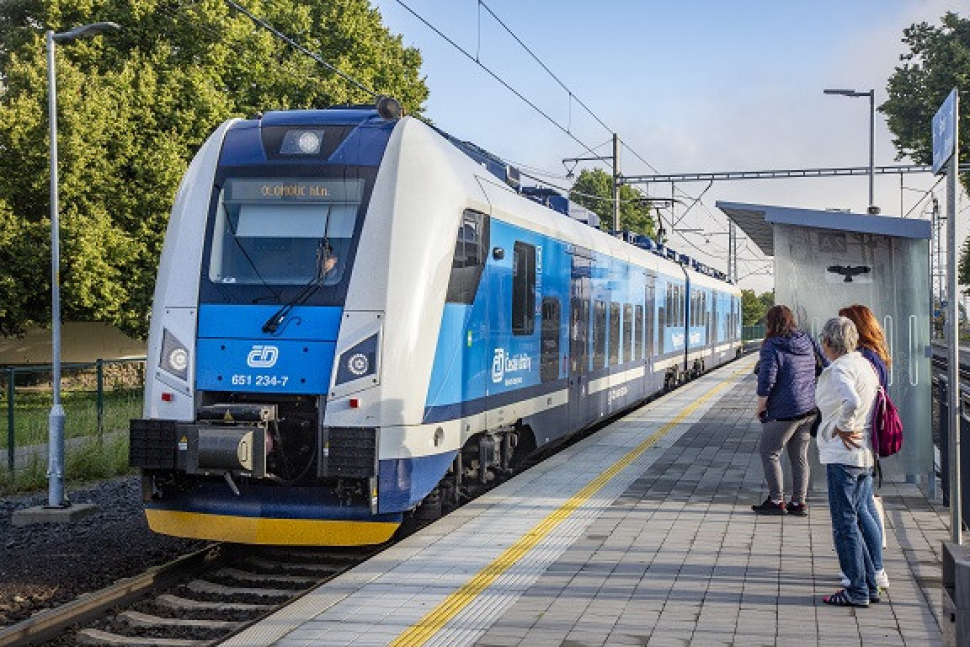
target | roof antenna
[{"x": 389, "y": 108}]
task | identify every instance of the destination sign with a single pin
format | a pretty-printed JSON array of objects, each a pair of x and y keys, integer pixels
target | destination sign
[{"x": 293, "y": 189}]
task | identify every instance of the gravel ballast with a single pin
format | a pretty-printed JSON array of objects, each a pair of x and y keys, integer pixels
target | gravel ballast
[{"x": 46, "y": 565}]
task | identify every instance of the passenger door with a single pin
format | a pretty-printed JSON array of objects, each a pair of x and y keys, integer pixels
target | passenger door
[{"x": 580, "y": 289}]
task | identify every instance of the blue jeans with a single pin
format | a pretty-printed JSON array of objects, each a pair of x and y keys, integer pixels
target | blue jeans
[
  {"x": 871, "y": 529},
  {"x": 849, "y": 489}
]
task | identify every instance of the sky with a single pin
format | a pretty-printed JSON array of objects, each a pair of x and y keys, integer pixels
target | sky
[{"x": 694, "y": 86}]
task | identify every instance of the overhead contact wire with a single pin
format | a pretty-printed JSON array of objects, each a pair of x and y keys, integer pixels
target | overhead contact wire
[{"x": 495, "y": 76}]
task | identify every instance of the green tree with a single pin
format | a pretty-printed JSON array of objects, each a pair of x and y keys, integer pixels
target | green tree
[
  {"x": 133, "y": 106},
  {"x": 754, "y": 306},
  {"x": 594, "y": 190},
  {"x": 938, "y": 61},
  {"x": 767, "y": 300}
]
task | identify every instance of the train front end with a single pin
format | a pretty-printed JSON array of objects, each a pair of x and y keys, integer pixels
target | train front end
[{"x": 251, "y": 335}]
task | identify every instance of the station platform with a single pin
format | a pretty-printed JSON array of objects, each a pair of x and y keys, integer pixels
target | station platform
[{"x": 641, "y": 534}]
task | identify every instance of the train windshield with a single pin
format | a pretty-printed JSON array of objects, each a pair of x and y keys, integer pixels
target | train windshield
[{"x": 284, "y": 231}]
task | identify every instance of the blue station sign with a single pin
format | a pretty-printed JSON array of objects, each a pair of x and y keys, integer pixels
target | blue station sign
[{"x": 944, "y": 132}]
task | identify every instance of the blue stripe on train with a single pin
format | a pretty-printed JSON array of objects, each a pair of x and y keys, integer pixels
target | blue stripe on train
[{"x": 271, "y": 503}]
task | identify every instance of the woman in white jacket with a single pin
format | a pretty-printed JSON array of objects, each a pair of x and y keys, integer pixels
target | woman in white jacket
[{"x": 845, "y": 394}]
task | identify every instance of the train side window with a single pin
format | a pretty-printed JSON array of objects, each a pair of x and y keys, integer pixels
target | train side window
[
  {"x": 677, "y": 314},
  {"x": 672, "y": 312},
  {"x": 638, "y": 334},
  {"x": 714, "y": 331},
  {"x": 468, "y": 261},
  {"x": 524, "y": 289},
  {"x": 614, "y": 334},
  {"x": 649, "y": 297},
  {"x": 681, "y": 310},
  {"x": 549, "y": 362},
  {"x": 599, "y": 334},
  {"x": 628, "y": 332},
  {"x": 667, "y": 319}
]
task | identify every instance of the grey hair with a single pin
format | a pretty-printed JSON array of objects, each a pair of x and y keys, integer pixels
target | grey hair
[{"x": 840, "y": 334}]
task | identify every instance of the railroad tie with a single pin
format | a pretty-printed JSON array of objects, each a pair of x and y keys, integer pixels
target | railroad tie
[{"x": 98, "y": 637}]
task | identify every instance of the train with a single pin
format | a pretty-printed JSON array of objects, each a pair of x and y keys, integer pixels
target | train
[{"x": 360, "y": 320}]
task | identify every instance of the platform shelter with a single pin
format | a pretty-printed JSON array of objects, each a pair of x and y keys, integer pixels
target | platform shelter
[{"x": 826, "y": 260}]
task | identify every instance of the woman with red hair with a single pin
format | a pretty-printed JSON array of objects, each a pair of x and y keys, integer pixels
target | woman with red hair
[{"x": 872, "y": 345}]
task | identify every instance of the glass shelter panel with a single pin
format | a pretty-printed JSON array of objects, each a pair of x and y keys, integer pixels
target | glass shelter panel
[{"x": 818, "y": 271}]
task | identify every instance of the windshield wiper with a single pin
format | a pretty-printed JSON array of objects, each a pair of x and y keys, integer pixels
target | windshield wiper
[{"x": 273, "y": 323}]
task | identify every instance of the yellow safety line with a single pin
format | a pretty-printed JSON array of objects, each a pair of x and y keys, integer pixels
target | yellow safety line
[{"x": 438, "y": 617}]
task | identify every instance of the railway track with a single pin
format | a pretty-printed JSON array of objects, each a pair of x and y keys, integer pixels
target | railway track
[{"x": 195, "y": 600}]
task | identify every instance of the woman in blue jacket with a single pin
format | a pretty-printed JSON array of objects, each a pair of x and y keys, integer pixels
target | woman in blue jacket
[{"x": 786, "y": 408}]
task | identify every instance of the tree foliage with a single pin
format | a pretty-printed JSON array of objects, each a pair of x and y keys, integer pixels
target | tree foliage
[
  {"x": 594, "y": 190},
  {"x": 133, "y": 106},
  {"x": 754, "y": 306},
  {"x": 938, "y": 61}
]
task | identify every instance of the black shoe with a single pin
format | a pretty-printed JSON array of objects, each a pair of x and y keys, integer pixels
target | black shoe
[
  {"x": 769, "y": 507},
  {"x": 797, "y": 509}
]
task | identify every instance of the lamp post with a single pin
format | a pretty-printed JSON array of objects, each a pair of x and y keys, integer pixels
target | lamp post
[
  {"x": 872, "y": 137},
  {"x": 55, "y": 469}
]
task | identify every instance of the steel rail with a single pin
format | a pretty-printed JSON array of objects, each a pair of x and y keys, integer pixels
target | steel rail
[{"x": 51, "y": 623}]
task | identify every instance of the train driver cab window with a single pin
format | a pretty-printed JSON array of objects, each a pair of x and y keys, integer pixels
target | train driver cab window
[
  {"x": 283, "y": 231},
  {"x": 468, "y": 262},
  {"x": 524, "y": 289}
]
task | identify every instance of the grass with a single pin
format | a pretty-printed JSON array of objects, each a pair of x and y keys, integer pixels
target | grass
[{"x": 93, "y": 459}]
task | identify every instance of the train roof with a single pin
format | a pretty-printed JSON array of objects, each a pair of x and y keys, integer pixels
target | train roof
[
  {"x": 340, "y": 116},
  {"x": 509, "y": 175}
]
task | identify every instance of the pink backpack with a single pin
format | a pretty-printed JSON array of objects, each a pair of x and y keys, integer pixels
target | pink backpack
[{"x": 887, "y": 428}]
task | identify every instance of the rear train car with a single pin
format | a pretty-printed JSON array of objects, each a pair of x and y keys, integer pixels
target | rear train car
[{"x": 358, "y": 319}]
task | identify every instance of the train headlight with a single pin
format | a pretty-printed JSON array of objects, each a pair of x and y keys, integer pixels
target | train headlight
[
  {"x": 358, "y": 361},
  {"x": 175, "y": 356},
  {"x": 301, "y": 142},
  {"x": 178, "y": 359}
]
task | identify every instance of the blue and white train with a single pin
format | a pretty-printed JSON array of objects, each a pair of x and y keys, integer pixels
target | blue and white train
[{"x": 358, "y": 319}]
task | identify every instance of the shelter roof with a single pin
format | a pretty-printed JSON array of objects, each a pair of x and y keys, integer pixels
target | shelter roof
[{"x": 757, "y": 220}]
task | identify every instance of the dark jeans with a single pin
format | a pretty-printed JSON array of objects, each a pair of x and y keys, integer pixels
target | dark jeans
[
  {"x": 776, "y": 435},
  {"x": 849, "y": 489},
  {"x": 872, "y": 530}
]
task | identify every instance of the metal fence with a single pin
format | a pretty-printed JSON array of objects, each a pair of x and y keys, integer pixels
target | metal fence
[
  {"x": 752, "y": 333},
  {"x": 98, "y": 398}
]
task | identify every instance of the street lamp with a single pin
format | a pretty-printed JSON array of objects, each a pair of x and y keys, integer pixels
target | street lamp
[
  {"x": 872, "y": 137},
  {"x": 55, "y": 470}
]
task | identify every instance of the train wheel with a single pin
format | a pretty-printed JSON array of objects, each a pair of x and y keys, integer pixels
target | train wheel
[{"x": 431, "y": 508}]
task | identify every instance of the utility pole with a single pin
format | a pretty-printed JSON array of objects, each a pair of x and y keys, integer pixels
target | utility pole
[
  {"x": 617, "y": 178},
  {"x": 616, "y": 182},
  {"x": 946, "y": 138},
  {"x": 953, "y": 330}
]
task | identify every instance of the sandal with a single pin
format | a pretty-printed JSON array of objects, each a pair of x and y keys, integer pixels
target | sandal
[{"x": 841, "y": 599}]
